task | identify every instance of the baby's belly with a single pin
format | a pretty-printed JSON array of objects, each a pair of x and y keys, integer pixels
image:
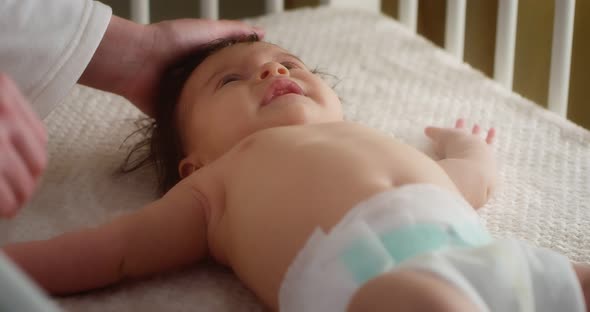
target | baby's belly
[{"x": 284, "y": 185}]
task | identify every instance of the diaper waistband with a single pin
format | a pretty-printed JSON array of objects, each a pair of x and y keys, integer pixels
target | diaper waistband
[{"x": 410, "y": 204}]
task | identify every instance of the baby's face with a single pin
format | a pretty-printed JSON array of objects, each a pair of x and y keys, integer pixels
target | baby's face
[{"x": 245, "y": 88}]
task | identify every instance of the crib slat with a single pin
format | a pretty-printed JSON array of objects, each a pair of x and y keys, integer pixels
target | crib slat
[
  {"x": 505, "y": 42},
  {"x": 455, "y": 27},
  {"x": 408, "y": 13},
  {"x": 209, "y": 9},
  {"x": 140, "y": 11},
  {"x": 275, "y": 6},
  {"x": 561, "y": 52}
]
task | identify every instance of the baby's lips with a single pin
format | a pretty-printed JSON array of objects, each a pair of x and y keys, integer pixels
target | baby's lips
[{"x": 280, "y": 87}]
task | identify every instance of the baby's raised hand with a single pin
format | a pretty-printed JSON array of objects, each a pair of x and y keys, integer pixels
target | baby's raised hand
[
  {"x": 459, "y": 140},
  {"x": 467, "y": 157}
]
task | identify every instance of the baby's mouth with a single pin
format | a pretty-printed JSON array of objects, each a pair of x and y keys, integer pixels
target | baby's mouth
[{"x": 280, "y": 87}]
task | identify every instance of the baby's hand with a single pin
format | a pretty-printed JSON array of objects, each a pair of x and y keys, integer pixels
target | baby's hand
[
  {"x": 458, "y": 141},
  {"x": 468, "y": 159}
]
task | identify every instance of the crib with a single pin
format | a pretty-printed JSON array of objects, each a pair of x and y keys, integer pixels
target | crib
[
  {"x": 454, "y": 35},
  {"x": 391, "y": 85}
]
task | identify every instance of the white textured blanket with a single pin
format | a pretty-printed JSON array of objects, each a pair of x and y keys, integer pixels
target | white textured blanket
[{"x": 391, "y": 80}]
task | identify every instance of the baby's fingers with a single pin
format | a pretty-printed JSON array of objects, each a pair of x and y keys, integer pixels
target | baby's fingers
[
  {"x": 476, "y": 129},
  {"x": 491, "y": 135},
  {"x": 460, "y": 123},
  {"x": 434, "y": 133}
]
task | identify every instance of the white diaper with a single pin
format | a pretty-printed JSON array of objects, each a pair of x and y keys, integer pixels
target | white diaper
[{"x": 423, "y": 227}]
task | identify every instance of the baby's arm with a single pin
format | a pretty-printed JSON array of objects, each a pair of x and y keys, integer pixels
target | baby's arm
[
  {"x": 166, "y": 234},
  {"x": 468, "y": 160}
]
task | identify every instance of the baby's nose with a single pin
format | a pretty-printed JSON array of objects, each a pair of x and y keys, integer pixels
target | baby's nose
[{"x": 272, "y": 69}]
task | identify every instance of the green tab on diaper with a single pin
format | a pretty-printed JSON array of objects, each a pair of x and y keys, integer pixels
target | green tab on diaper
[
  {"x": 366, "y": 258},
  {"x": 469, "y": 234},
  {"x": 406, "y": 242},
  {"x": 372, "y": 255}
]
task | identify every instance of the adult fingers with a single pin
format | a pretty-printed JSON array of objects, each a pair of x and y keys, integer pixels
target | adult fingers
[
  {"x": 16, "y": 175},
  {"x": 32, "y": 119},
  {"x": 178, "y": 37},
  {"x": 5, "y": 86},
  {"x": 12, "y": 101},
  {"x": 229, "y": 28},
  {"x": 8, "y": 204},
  {"x": 30, "y": 151}
]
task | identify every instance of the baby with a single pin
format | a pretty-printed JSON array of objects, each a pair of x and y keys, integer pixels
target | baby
[{"x": 312, "y": 213}]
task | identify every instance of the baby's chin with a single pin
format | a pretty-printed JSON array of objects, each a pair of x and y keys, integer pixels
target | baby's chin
[
  {"x": 294, "y": 109},
  {"x": 296, "y": 117}
]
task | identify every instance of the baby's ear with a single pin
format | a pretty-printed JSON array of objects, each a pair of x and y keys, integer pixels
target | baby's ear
[{"x": 187, "y": 166}]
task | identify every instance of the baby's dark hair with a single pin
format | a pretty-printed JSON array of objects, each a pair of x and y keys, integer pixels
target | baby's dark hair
[{"x": 160, "y": 145}]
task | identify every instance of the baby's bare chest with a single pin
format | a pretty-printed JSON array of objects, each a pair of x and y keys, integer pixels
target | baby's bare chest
[
  {"x": 282, "y": 184},
  {"x": 318, "y": 172},
  {"x": 321, "y": 157}
]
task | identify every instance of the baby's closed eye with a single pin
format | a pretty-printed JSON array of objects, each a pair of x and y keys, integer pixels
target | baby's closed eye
[
  {"x": 290, "y": 65},
  {"x": 229, "y": 79}
]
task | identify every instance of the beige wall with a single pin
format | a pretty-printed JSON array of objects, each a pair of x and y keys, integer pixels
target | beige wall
[{"x": 533, "y": 48}]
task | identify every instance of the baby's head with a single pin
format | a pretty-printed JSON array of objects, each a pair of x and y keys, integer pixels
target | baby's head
[{"x": 213, "y": 99}]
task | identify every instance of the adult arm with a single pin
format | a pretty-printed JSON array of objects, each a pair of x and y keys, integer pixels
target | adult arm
[{"x": 46, "y": 45}]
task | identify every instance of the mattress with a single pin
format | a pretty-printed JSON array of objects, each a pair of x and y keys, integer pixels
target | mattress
[{"x": 389, "y": 79}]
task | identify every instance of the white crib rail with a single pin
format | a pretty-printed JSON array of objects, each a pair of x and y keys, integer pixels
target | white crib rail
[
  {"x": 455, "y": 27},
  {"x": 505, "y": 42},
  {"x": 561, "y": 52},
  {"x": 408, "y": 13},
  {"x": 454, "y": 35},
  {"x": 370, "y": 5},
  {"x": 209, "y": 9},
  {"x": 140, "y": 11},
  {"x": 274, "y": 6}
]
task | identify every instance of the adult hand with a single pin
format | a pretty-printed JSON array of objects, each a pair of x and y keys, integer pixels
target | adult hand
[
  {"x": 131, "y": 57},
  {"x": 22, "y": 148}
]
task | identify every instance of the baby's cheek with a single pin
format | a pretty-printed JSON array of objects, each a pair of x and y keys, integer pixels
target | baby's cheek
[{"x": 334, "y": 105}]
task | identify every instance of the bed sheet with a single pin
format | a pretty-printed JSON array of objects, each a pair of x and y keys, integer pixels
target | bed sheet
[{"x": 388, "y": 78}]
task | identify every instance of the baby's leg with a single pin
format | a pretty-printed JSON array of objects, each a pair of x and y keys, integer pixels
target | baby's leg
[
  {"x": 583, "y": 272},
  {"x": 409, "y": 291}
]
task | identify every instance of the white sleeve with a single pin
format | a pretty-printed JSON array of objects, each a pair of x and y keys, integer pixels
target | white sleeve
[{"x": 45, "y": 45}]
